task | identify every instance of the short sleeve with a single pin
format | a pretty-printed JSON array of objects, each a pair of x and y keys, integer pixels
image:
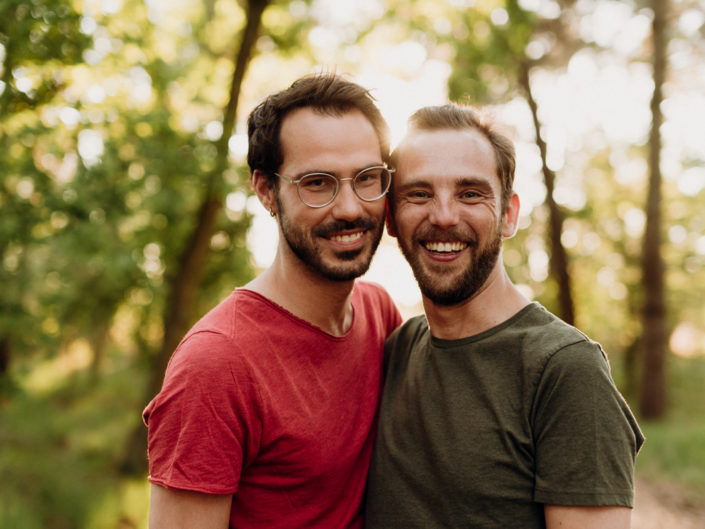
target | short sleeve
[
  {"x": 585, "y": 434},
  {"x": 203, "y": 426}
]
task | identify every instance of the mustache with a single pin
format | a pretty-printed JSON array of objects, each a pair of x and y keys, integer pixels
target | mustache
[
  {"x": 365, "y": 223},
  {"x": 453, "y": 235}
]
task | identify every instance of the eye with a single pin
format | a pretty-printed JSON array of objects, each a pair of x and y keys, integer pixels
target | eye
[
  {"x": 317, "y": 182},
  {"x": 470, "y": 195},
  {"x": 417, "y": 196},
  {"x": 369, "y": 177}
]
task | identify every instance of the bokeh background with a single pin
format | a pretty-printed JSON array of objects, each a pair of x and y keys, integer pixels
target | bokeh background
[{"x": 126, "y": 210}]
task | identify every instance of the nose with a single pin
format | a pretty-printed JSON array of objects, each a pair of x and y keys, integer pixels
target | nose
[
  {"x": 444, "y": 213},
  {"x": 347, "y": 205}
]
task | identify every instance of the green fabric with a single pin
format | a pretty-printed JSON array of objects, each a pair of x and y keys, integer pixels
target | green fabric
[{"x": 481, "y": 432}]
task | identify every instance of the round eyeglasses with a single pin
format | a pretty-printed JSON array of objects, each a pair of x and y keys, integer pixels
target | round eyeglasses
[{"x": 317, "y": 190}]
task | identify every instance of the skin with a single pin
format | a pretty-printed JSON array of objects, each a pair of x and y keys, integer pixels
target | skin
[
  {"x": 343, "y": 146},
  {"x": 316, "y": 287},
  {"x": 183, "y": 509},
  {"x": 335, "y": 242},
  {"x": 446, "y": 190},
  {"x": 447, "y": 210},
  {"x": 562, "y": 517}
]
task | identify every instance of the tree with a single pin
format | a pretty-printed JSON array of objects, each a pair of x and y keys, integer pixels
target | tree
[
  {"x": 559, "y": 263},
  {"x": 503, "y": 53},
  {"x": 185, "y": 280},
  {"x": 655, "y": 335},
  {"x": 36, "y": 42}
]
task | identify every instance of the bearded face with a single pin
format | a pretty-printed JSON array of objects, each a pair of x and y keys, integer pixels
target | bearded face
[
  {"x": 337, "y": 265},
  {"x": 445, "y": 283}
]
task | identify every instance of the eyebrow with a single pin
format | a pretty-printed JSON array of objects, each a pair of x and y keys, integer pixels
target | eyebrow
[
  {"x": 465, "y": 181},
  {"x": 414, "y": 183},
  {"x": 472, "y": 181},
  {"x": 336, "y": 173}
]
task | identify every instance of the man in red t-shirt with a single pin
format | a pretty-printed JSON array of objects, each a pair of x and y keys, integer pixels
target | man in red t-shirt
[{"x": 268, "y": 410}]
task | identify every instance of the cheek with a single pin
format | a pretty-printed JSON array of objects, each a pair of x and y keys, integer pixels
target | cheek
[
  {"x": 375, "y": 209},
  {"x": 407, "y": 222}
]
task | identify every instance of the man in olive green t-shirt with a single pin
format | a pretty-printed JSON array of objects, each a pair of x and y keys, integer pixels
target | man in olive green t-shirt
[{"x": 495, "y": 413}]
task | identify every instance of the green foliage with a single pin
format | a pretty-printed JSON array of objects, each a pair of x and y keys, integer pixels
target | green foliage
[
  {"x": 60, "y": 452},
  {"x": 36, "y": 40},
  {"x": 103, "y": 178},
  {"x": 106, "y": 135},
  {"x": 34, "y": 35},
  {"x": 673, "y": 450}
]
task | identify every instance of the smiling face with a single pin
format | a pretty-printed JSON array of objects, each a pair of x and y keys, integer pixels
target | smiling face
[
  {"x": 336, "y": 241},
  {"x": 447, "y": 212}
]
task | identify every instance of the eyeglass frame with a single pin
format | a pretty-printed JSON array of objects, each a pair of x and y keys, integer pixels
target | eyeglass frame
[{"x": 337, "y": 184}]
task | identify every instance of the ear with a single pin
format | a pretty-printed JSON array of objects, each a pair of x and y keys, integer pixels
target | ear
[
  {"x": 391, "y": 227},
  {"x": 264, "y": 190},
  {"x": 510, "y": 220}
]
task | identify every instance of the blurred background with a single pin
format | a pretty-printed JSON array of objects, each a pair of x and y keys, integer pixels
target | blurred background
[{"x": 126, "y": 210}]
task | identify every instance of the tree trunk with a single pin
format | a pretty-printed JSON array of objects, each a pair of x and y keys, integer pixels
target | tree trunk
[
  {"x": 559, "y": 257},
  {"x": 184, "y": 283},
  {"x": 5, "y": 381},
  {"x": 653, "y": 384},
  {"x": 99, "y": 343}
]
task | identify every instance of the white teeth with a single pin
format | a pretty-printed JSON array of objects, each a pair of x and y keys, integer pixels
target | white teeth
[
  {"x": 445, "y": 246},
  {"x": 348, "y": 237}
]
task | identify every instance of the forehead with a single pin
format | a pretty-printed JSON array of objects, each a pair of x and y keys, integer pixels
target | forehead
[
  {"x": 311, "y": 140},
  {"x": 447, "y": 153}
]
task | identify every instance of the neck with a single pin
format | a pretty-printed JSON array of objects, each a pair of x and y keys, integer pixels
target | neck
[
  {"x": 497, "y": 301},
  {"x": 316, "y": 299}
]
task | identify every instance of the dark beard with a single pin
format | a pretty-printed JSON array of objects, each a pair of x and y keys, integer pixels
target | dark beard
[
  {"x": 464, "y": 287},
  {"x": 305, "y": 248}
]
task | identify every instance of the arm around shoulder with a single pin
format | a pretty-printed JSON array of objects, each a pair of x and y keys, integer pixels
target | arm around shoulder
[
  {"x": 179, "y": 509},
  {"x": 570, "y": 517}
]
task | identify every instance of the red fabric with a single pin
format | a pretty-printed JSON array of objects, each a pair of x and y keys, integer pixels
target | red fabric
[{"x": 258, "y": 403}]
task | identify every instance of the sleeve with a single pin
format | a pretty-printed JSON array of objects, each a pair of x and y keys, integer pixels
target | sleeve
[
  {"x": 203, "y": 425},
  {"x": 585, "y": 434}
]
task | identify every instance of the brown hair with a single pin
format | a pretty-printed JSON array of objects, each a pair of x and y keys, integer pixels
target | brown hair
[
  {"x": 453, "y": 116},
  {"x": 326, "y": 93}
]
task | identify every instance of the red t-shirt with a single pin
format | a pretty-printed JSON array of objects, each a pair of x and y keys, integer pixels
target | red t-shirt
[{"x": 260, "y": 404}]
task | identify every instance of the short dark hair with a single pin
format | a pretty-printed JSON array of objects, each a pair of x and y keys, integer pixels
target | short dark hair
[
  {"x": 454, "y": 116},
  {"x": 326, "y": 93}
]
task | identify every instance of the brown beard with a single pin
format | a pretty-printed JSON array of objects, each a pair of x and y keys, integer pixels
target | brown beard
[
  {"x": 304, "y": 247},
  {"x": 465, "y": 286}
]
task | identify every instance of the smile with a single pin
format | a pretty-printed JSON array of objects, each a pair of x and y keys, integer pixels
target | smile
[
  {"x": 445, "y": 247},
  {"x": 347, "y": 237}
]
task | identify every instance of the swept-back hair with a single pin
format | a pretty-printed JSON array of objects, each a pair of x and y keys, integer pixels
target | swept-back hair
[
  {"x": 457, "y": 117},
  {"x": 326, "y": 93}
]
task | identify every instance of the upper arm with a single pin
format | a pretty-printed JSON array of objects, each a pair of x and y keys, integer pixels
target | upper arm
[
  {"x": 178, "y": 509},
  {"x": 586, "y": 436},
  {"x": 571, "y": 517}
]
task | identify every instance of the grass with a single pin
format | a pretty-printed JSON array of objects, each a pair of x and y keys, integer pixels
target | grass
[{"x": 674, "y": 450}]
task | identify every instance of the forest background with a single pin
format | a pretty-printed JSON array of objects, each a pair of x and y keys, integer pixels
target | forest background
[{"x": 126, "y": 210}]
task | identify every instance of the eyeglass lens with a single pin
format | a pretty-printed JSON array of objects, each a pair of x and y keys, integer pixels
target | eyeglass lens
[{"x": 320, "y": 189}]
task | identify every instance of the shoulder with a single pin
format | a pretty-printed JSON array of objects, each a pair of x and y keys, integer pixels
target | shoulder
[
  {"x": 543, "y": 335},
  {"x": 368, "y": 291},
  {"x": 408, "y": 333},
  {"x": 534, "y": 317},
  {"x": 557, "y": 355},
  {"x": 401, "y": 344},
  {"x": 371, "y": 298},
  {"x": 241, "y": 305},
  {"x": 218, "y": 342}
]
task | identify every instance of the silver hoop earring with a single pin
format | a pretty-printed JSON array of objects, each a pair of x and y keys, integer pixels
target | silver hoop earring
[{"x": 271, "y": 213}]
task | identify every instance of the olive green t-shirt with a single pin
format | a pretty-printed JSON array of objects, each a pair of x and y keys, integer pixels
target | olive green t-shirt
[{"x": 483, "y": 431}]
